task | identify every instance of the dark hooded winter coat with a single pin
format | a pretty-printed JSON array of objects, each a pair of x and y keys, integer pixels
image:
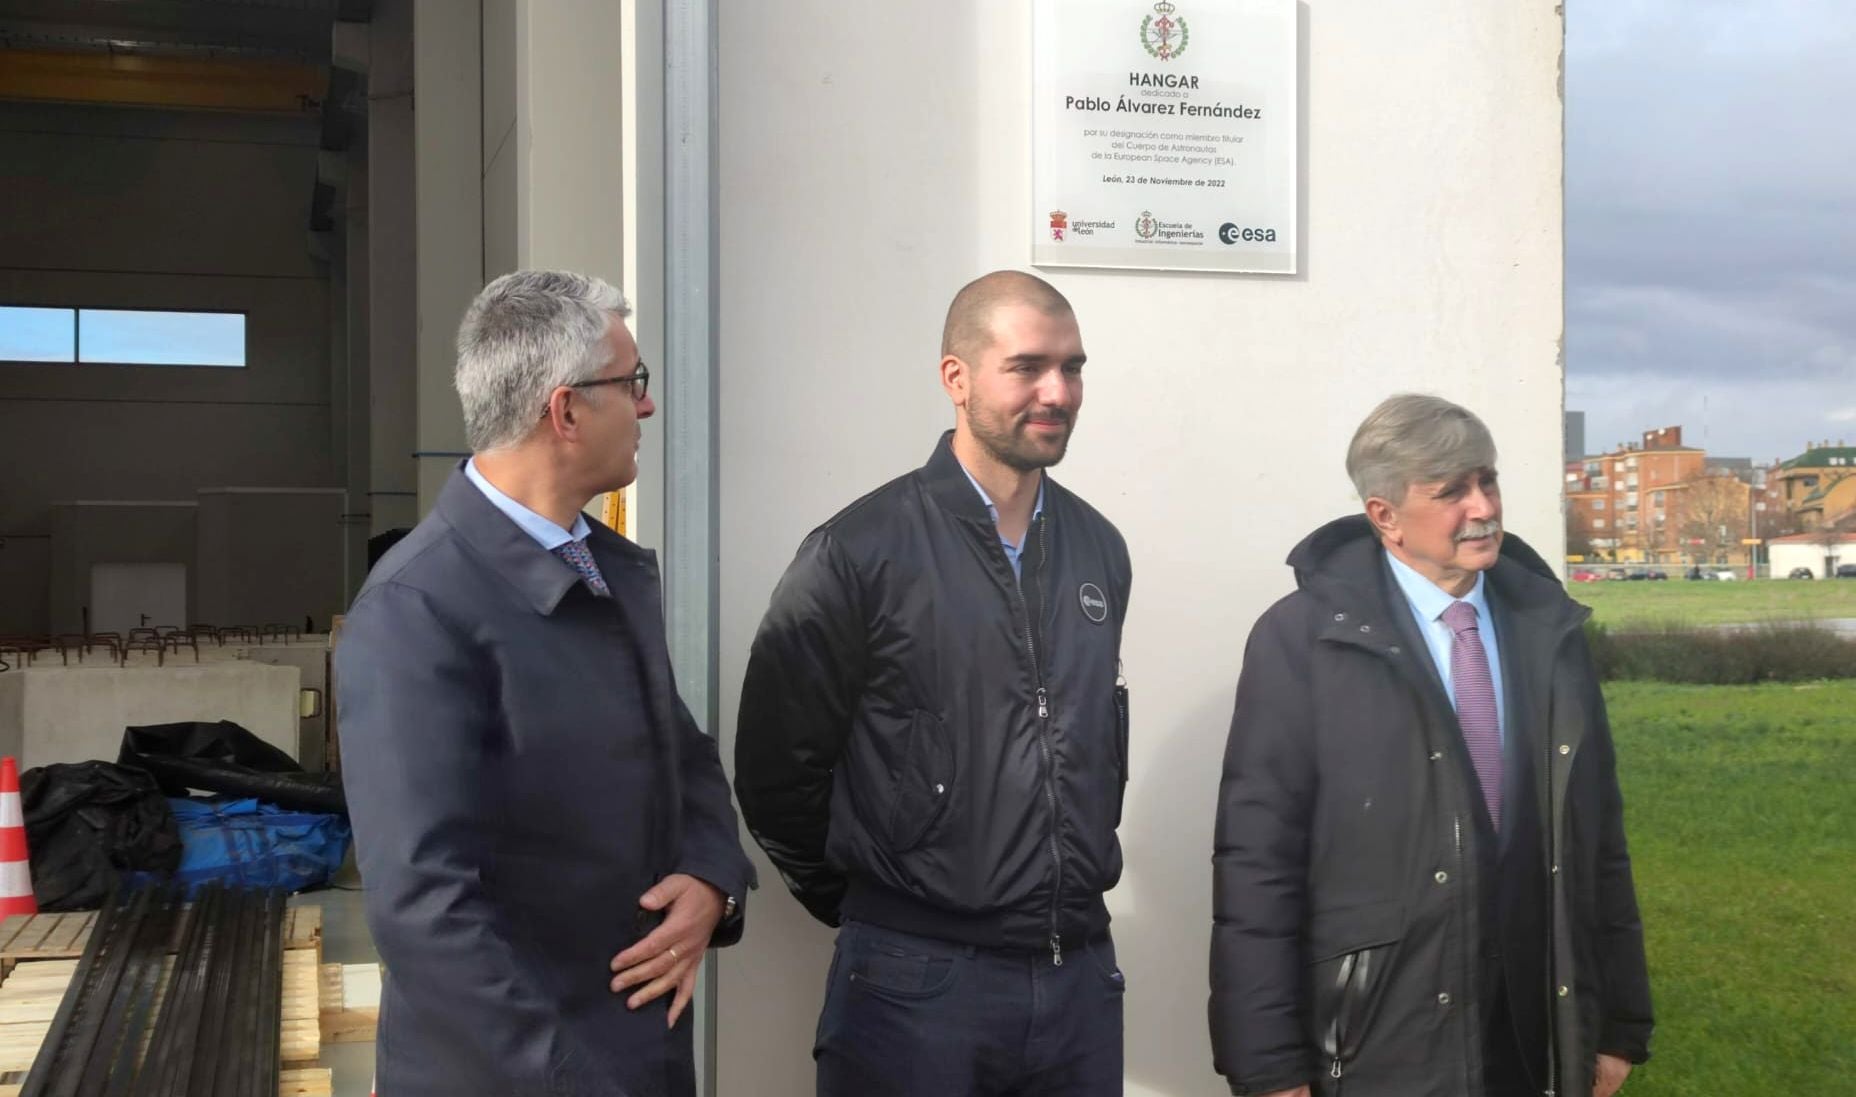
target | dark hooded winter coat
[{"x": 1363, "y": 905}]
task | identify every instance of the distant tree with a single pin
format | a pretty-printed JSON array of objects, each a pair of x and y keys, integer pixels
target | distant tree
[
  {"x": 1714, "y": 512},
  {"x": 1653, "y": 536}
]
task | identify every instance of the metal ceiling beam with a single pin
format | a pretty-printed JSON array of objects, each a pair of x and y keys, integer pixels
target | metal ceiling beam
[{"x": 172, "y": 82}]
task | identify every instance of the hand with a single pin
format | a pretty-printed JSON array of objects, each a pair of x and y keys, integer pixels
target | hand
[
  {"x": 1610, "y": 1076},
  {"x": 671, "y": 954},
  {"x": 1298, "y": 1091}
]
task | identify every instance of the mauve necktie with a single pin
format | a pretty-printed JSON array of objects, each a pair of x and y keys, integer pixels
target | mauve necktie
[
  {"x": 580, "y": 559},
  {"x": 1475, "y": 703}
]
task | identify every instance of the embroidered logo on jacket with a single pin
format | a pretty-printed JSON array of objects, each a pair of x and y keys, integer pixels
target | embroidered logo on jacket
[{"x": 1093, "y": 601}]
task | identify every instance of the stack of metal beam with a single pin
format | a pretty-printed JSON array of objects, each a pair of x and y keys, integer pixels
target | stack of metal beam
[{"x": 217, "y": 1030}]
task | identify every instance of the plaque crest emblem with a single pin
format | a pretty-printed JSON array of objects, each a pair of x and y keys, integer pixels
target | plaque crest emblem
[
  {"x": 1059, "y": 221},
  {"x": 1164, "y": 33},
  {"x": 1145, "y": 226}
]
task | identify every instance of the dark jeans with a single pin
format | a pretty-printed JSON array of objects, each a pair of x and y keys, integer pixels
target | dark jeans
[{"x": 909, "y": 1016}]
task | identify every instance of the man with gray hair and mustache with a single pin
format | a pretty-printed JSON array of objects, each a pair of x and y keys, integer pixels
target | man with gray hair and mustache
[{"x": 1421, "y": 886}]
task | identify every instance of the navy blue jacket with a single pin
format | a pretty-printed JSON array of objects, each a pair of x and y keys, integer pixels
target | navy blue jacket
[
  {"x": 930, "y": 743},
  {"x": 520, "y": 770}
]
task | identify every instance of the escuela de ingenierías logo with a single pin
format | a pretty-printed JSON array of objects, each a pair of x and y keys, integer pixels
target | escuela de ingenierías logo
[
  {"x": 1165, "y": 37},
  {"x": 1155, "y": 230}
]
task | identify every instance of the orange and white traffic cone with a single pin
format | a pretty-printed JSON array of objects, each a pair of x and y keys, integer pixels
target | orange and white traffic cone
[{"x": 15, "y": 866}]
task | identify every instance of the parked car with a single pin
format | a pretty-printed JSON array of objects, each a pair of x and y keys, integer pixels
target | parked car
[
  {"x": 1801, "y": 573},
  {"x": 1583, "y": 576},
  {"x": 1846, "y": 571},
  {"x": 1655, "y": 574},
  {"x": 1724, "y": 575}
]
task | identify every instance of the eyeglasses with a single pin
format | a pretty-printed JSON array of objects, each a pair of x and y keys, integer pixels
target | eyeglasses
[{"x": 639, "y": 380}]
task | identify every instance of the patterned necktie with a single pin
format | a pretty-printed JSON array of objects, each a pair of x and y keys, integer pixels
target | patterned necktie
[
  {"x": 1475, "y": 703},
  {"x": 580, "y": 559}
]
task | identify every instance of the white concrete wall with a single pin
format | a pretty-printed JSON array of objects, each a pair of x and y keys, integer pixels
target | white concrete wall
[
  {"x": 1784, "y": 557},
  {"x": 871, "y": 165}
]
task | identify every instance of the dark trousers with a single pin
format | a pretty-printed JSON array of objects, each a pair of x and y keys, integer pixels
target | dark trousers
[
  {"x": 1509, "y": 1068},
  {"x": 909, "y": 1016}
]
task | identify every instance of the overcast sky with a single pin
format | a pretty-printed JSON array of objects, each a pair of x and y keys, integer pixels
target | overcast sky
[{"x": 1711, "y": 221}]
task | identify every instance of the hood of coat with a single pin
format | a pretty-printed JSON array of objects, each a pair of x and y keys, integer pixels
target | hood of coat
[{"x": 1343, "y": 562}]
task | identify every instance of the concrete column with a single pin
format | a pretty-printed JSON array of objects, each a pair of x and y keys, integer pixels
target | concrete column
[
  {"x": 498, "y": 137},
  {"x": 341, "y": 425},
  {"x": 555, "y": 181},
  {"x": 357, "y": 461},
  {"x": 392, "y": 303},
  {"x": 448, "y": 128},
  {"x": 338, "y": 350},
  {"x": 570, "y": 170}
]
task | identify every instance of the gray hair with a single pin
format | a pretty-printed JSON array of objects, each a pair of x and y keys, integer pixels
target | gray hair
[
  {"x": 1416, "y": 439},
  {"x": 528, "y": 333}
]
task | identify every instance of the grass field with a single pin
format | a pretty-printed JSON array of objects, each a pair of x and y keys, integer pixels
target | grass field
[
  {"x": 1680, "y": 602},
  {"x": 1743, "y": 837}
]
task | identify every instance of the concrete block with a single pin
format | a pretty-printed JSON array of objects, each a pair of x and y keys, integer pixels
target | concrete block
[{"x": 77, "y": 714}]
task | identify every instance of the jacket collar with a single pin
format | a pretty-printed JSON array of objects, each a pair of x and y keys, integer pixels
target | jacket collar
[
  {"x": 948, "y": 481},
  {"x": 1342, "y": 566},
  {"x": 542, "y": 578}
]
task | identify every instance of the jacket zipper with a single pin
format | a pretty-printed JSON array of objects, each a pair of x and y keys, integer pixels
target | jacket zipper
[
  {"x": 1050, "y": 758},
  {"x": 1555, "y": 885},
  {"x": 1339, "y": 1034},
  {"x": 1474, "y": 912}
]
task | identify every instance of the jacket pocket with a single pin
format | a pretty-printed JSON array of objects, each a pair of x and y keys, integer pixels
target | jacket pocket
[
  {"x": 1346, "y": 990},
  {"x": 924, "y": 782},
  {"x": 1352, "y": 950},
  {"x": 898, "y": 967}
]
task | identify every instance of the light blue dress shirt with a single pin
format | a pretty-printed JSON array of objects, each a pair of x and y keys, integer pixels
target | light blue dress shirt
[
  {"x": 543, "y": 530},
  {"x": 1428, "y": 602},
  {"x": 1013, "y": 553}
]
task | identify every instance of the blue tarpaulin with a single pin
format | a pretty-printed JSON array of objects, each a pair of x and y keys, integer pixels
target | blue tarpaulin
[{"x": 247, "y": 842}]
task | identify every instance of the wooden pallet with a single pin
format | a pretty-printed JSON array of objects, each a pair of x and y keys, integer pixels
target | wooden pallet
[
  {"x": 63, "y": 936},
  {"x": 305, "y": 1082},
  {"x": 38, "y": 957}
]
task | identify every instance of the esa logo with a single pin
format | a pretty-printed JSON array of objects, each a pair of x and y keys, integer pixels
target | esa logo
[{"x": 1231, "y": 234}]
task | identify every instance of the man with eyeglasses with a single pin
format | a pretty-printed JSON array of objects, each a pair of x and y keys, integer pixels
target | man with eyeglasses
[{"x": 545, "y": 835}]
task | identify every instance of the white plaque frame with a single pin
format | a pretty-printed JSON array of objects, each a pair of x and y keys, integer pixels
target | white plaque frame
[{"x": 1165, "y": 135}]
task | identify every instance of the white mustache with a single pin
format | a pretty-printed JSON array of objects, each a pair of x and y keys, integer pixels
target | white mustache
[{"x": 1479, "y": 529}]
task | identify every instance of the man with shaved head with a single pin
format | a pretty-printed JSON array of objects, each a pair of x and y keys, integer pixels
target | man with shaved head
[{"x": 933, "y": 738}]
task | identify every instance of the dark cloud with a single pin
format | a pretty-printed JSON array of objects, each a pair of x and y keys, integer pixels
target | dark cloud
[{"x": 1711, "y": 220}]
